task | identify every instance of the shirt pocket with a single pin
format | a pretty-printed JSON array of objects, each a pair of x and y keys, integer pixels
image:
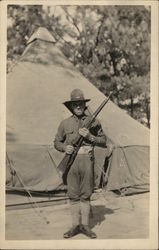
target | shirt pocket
[
  {"x": 69, "y": 130},
  {"x": 71, "y": 134}
]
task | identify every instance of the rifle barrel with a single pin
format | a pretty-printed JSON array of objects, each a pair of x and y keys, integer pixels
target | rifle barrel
[{"x": 99, "y": 109}]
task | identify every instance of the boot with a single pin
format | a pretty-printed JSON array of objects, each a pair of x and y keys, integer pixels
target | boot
[
  {"x": 87, "y": 231},
  {"x": 72, "y": 232}
]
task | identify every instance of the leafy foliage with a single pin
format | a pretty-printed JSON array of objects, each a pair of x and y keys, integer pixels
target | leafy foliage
[{"x": 110, "y": 45}]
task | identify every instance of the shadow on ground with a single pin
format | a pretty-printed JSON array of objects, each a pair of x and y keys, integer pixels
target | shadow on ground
[{"x": 98, "y": 214}]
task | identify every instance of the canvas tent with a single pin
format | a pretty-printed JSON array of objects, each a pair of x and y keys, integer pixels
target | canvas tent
[{"x": 36, "y": 88}]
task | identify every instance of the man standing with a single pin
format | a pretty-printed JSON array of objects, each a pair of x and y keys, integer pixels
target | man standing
[{"x": 80, "y": 175}]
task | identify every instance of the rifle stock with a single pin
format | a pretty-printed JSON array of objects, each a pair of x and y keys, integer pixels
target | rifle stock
[{"x": 68, "y": 160}]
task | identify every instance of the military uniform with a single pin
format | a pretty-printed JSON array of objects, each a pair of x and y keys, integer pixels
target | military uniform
[{"x": 80, "y": 175}]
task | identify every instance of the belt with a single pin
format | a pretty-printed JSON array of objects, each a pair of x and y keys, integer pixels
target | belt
[{"x": 85, "y": 150}]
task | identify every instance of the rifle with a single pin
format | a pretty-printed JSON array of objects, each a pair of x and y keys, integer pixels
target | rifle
[{"x": 68, "y": 159}]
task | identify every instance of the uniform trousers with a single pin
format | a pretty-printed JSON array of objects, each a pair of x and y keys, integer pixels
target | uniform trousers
[{"x": 80, "y": 188}]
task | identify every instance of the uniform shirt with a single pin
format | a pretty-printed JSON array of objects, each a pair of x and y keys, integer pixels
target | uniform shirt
[{"x": 68, "y": 131}]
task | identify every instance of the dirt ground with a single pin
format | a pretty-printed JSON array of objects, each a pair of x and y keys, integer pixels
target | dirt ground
[{"x": 113, "y": 217}]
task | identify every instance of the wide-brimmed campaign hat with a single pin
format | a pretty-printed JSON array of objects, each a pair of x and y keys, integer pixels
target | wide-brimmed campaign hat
[{"x": 76, "y": 96}]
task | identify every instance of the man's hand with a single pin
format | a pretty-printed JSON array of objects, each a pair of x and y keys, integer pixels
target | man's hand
[
  {"x": 69, "y": 149},
  {"x": 84, "y": 132}
]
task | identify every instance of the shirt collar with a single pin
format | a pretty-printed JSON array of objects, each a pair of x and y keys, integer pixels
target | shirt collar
[{"x": 77, "y": 119}]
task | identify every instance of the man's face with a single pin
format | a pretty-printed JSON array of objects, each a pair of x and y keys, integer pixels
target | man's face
[{"x": 78, "y": 108}]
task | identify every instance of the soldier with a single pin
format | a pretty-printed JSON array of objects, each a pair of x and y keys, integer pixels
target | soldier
[{"x": 80, "y": 175}]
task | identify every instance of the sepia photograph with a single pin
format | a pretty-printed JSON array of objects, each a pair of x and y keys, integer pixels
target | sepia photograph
[{"x": 79, "y": 158}]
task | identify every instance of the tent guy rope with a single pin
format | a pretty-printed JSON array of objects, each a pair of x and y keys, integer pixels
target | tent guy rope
[{"x": 36, "y": 208}]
